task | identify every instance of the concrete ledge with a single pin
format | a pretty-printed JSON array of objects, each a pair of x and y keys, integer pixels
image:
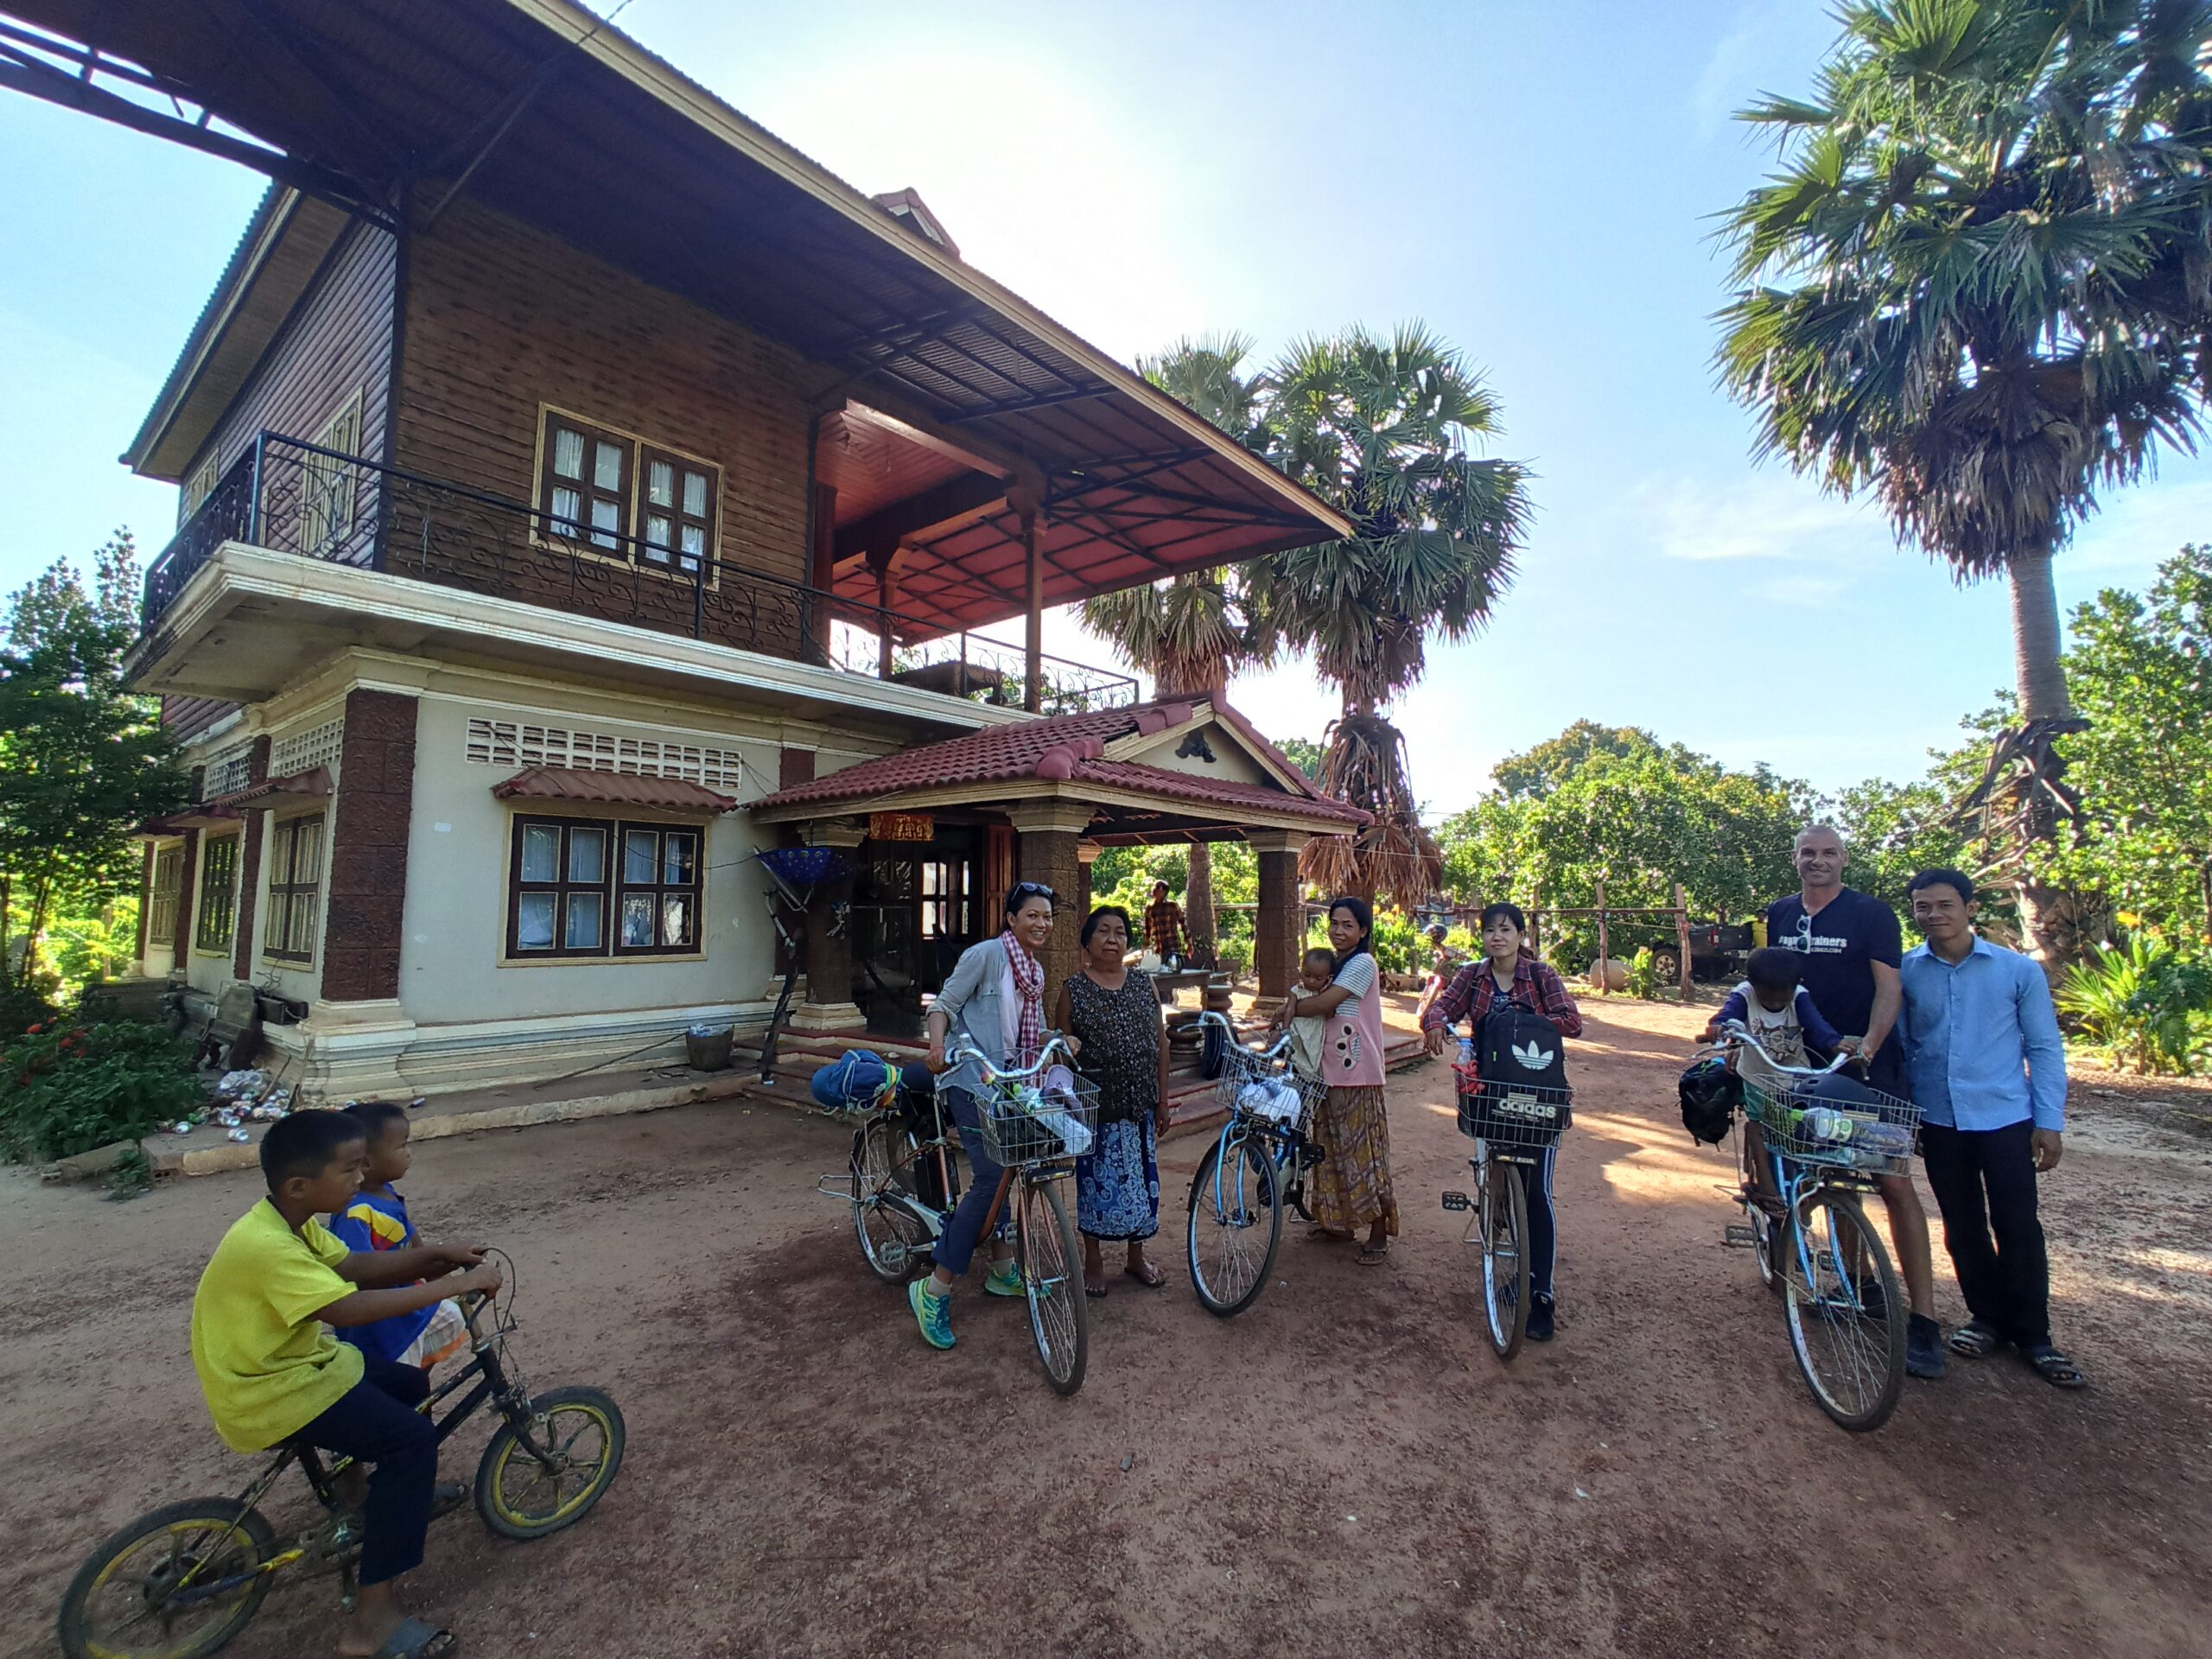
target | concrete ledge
[{"x": 209, "y": 1150}]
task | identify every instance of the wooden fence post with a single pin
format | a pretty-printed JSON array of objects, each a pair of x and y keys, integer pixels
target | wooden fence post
[{"x": 1683, "y": 935}]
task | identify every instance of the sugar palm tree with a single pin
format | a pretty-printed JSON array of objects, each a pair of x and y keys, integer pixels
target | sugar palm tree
[
  {"x": 1193, "y": 633},
  {"x": 1381, "y": 427},
  {"x": 1979, "y": 288}
]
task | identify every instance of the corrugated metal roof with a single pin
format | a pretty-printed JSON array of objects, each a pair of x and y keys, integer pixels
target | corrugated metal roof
[{"x": 610, "y": 788}]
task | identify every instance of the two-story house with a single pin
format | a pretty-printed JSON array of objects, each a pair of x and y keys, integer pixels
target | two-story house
[{"x": 579, "y": 491}]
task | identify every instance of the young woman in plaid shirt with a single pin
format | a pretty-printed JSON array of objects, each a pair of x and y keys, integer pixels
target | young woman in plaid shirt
[{"x": 1508, "y": 973}]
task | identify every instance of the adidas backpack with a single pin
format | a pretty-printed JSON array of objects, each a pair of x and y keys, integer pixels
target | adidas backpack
[{"x": 1522, "y": 1093}]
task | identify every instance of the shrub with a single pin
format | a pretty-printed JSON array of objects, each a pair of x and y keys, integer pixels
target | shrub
[
  {"x": 1642, "y": 976},
  {"x": 68, "y": 1088},
  {"x": 23, "y": 1007},
  {"x": 1234, "y": 955},
  {"x": 2144, "y": 1003}
]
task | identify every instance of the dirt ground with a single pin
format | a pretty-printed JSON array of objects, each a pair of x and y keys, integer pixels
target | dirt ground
[{"x": 1343, "y": 1470}]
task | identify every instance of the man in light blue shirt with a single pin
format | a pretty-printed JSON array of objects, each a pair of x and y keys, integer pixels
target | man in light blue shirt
[{"x": 1987, "y": 1070}]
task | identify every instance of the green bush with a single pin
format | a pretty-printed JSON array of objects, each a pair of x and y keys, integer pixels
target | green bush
[
  {"x": 1234, "y": 955},
  {"x": 68, "y": 1088},
  {"x": 2148, "y": 1006},
  {"x": 1642, "y": 976},
  {"x": 23, "y": 1007}
]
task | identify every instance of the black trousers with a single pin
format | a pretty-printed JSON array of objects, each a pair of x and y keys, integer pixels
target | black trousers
[
  {"x": 375, "y": 1421},
  {"x": 1985, "y": 1182}
]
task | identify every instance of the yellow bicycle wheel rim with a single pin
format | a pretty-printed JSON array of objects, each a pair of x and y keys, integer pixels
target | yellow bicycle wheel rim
[
  {"x": 196, "y": 1527},
  {"x": 593, "y": 1418}
]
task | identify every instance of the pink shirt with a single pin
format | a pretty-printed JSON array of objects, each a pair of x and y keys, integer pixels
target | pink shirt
[{"x": 1354, "y": 1055}]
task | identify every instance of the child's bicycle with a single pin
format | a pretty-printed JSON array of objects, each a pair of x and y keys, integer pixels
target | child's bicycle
[
  {"x": 905, "y": 1179},
  {"x": 1512, "y": 1126},
  {"x": 182, "y": 1581},
  {"x": 1802, "y": 1196},
  {"x": 1256, "y": 1166}
]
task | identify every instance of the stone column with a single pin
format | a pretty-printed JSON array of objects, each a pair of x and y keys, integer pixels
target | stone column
[
  {"x": 1278, "y": 929},
  {"x": 1086, "y": 855},
  {"x": 357, "y": 1028},
  {"x": 1046, "y": 837},
  {"x": 256, "y": 823},
  {"x": 829, "y": 958}
]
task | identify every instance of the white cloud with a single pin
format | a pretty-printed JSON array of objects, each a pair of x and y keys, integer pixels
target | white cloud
[{"x": 1770, "y": 515}]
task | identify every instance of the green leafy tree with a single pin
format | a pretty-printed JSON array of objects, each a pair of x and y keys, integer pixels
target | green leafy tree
[
  {"x": 1977, "y": 289},
  {"x": 1540, "y": 770},
  {"x": 2141, "y": 668},
  {"x": 1193, "y": 634},
  {"x": 1302, "y": 752},
  {"x": 1383, "y": 428},
  {"x": 82, "y": 759}
]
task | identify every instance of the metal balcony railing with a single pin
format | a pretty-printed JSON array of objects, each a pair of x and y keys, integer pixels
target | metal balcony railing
[{"x": 298, "y": 497}]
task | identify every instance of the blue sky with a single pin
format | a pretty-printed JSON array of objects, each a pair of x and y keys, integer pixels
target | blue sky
[{"x": 1535, "y": 180}]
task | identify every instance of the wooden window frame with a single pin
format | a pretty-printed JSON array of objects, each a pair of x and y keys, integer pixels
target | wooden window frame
[
  {"x": 198, "y": 485},
  {"x": 678, "y": 561},
  {"x": 289, "y": 896},
  {"x": 330, "y": 490},
  {"x": 217, "y": 899},
  {"x": 638, "y": 453},
  {"x": 613, "y": 888},
  {"x": 164, "y": 888}
]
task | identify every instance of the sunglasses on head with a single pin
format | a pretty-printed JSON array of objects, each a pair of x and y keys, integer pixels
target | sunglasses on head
[{"x": 1022, "y": 892}]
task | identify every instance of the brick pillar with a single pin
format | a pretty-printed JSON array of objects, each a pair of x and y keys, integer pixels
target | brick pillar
[
  {"x": 828, "y": 959},
  {"x": 1278, "y": 930},
  {"x": 181, "y": 944},
  {"x": 367, "y": 857},
  {"x": 1086, "y": 855},
  {"x": 145, "y": 904},
  {"x": 1047, "y": 835},
  {"x": 256, "y": 823}
]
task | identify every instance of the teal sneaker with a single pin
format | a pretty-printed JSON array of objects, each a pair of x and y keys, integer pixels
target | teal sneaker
[
  {"x": 932, "y": 1313},
  {"x": 1005, "y": 1279}
]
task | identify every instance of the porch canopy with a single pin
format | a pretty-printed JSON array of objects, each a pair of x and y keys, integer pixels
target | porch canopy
[
  {"x": 1042, "y": 471},
  {"x": 1062, "y": 788}
]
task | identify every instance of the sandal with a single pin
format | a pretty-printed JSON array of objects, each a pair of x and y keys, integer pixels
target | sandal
[
  {"x": 1976, "y": 1340},
  {"x": 1093, "y": 1288},
  {"x": 1373, "y": 1255},
  {"x": 2054, "y": 1367},
  {"x": 416, "y": 1639},
  {"x": 1151, "y": 1277}
]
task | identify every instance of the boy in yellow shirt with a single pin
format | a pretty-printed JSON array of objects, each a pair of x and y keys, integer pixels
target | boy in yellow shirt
[{"x": 271, "y": 1369}]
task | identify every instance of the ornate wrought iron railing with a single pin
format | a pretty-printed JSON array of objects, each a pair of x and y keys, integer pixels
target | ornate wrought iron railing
[{"x": 300, "y": 498}]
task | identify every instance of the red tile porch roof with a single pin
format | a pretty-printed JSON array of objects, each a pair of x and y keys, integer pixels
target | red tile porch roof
[
  {"x": 1069, "y": 749},
  {"x": 610, "y": 788}
]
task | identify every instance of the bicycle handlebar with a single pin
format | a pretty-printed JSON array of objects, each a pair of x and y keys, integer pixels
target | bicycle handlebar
[
  {"x": 961, "y": 1054},
  {"x": 1275, "y": 1050},
  {"x": 1735, "y": 1030}
]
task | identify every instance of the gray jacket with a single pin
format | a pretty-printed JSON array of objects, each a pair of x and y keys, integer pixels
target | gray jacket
[{"x": 973, "y": 1002}]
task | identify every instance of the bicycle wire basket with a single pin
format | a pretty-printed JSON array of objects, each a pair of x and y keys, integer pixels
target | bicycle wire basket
[
  {"x": 1511, "y": 1117},
  {"x": 1271, "y": 1090},
  {"x": 1835, "y": 1123},
  {"x": 1041, "y": 1122}
]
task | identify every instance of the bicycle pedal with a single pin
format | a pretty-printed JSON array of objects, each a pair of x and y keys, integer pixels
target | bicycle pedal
[
  {"x": 1457, "y": 1201},
  {"x": 1740, "y": 1235}
]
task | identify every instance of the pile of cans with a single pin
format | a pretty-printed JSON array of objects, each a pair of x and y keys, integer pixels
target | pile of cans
[{"x": 241, "y": 1097}]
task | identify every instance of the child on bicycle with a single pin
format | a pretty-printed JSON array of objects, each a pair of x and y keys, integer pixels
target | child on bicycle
[
  {"x": 1790, "y": 1029},
  {"x": 1309, "y": 1035},
  {"x": 271, "y": 1371},
  {"x": 377, "y": 1220}
]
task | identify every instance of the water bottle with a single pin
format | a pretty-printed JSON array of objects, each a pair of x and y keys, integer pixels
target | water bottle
[
  {"x": 1822, "y": 1123},
  {"x": 1467, "y": 1051}
]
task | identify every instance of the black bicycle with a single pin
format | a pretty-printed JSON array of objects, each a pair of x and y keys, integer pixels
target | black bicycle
[{"x": 182, "y": 1581}]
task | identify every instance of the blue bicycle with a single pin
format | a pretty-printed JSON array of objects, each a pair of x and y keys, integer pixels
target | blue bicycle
[
  {"x": 1255, "y": 1167},
  {"x": 1812, "y": 1144}
]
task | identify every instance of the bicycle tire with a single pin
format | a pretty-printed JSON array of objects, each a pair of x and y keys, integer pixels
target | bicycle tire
[
  {"x": 597, "y": 1411},
  {"x": 1501, "y": 1218},
  {"x": 1852, "y": 1362},
  {"x": 82, "y": 1638},
  {"x": 1052, "y": 1282},
  {"x": 1763, "y": 1247},
  {"x": 893, "y": 1244},
  {"x": 1223, "y": 1271}
]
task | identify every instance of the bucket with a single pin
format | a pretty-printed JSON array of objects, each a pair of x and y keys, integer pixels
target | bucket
[{"x": 706, "y": 1048}]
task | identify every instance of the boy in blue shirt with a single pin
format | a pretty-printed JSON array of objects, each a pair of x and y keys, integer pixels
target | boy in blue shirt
[
  {"x": 377, "y": 1220},
  {"x": 1988, "y": 1073}
]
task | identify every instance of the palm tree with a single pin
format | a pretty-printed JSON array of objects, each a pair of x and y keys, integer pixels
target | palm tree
[
  {"x": 1979, "y": 288},
  {"x": 1193, "y": 633},
  {"x": 1381, "y": 428}
]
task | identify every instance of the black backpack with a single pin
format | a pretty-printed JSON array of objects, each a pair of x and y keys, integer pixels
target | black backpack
[{"x": 1523, "y": 1096}]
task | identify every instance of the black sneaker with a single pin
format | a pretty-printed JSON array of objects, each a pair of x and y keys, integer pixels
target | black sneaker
[
  {"x": 1540, "y": 1319},
  {"x": 1924, "y": 1347}
]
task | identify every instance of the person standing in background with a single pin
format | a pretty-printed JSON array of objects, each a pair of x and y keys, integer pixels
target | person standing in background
[
  {"x": 1851, "y": 945},
  {"x": 1988, "y": 1073},
  {"x": 1164, "y": 934}
]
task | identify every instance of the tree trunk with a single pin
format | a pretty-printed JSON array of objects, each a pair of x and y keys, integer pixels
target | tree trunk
[
  {"x": 2056, "y": 925},
  {"x": 1197, "y": 903}
]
